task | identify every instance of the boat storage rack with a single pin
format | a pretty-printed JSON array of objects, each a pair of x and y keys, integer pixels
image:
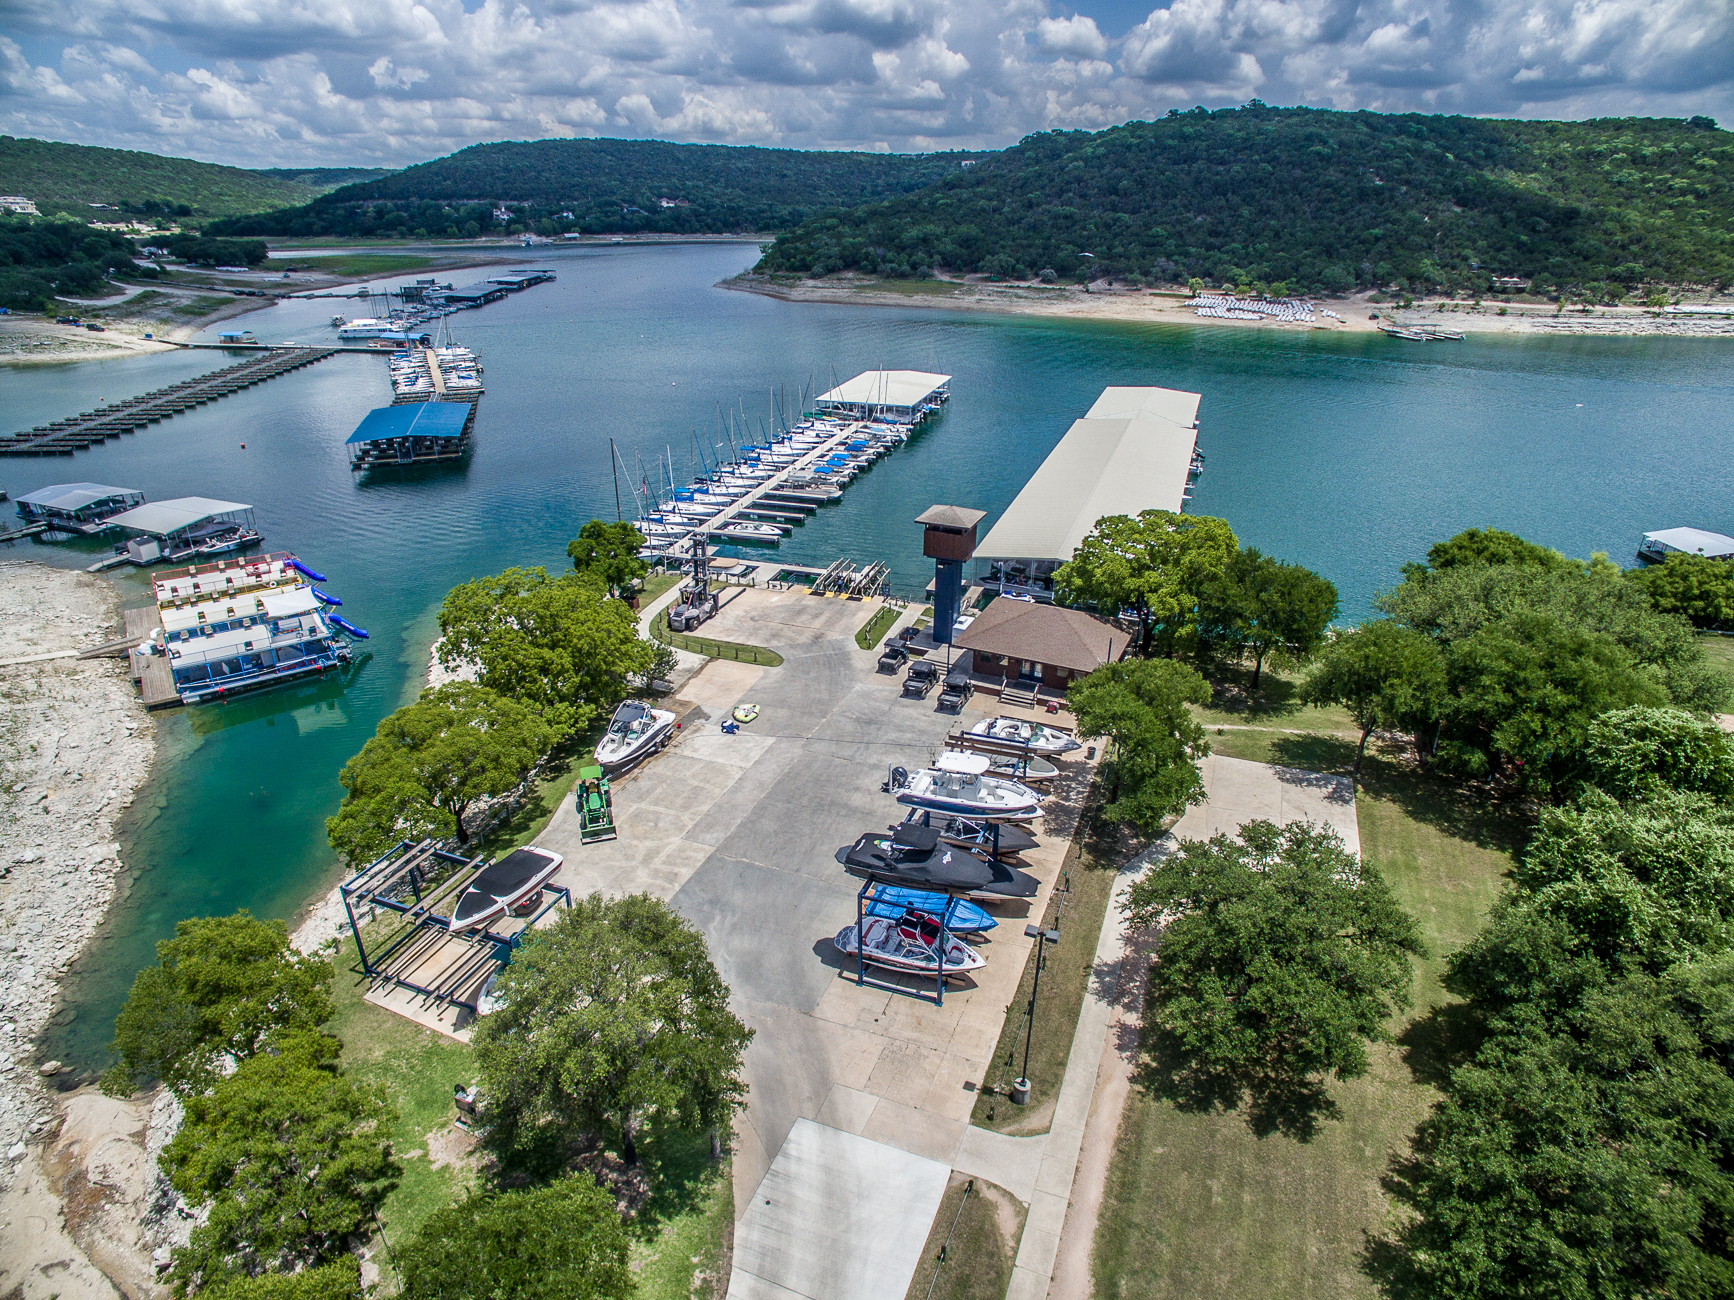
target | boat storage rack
[
  {"x": 869, "y": 894},
  {"x": 416, "y": 885}
]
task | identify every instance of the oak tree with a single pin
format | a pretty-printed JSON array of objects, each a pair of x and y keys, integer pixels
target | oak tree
[{"x": 1152, "y": 769}]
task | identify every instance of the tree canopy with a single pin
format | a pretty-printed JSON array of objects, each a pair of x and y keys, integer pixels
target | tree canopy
[
  {"x": 1263, "y": 605},
  {"x": 291, "y": 1159},
  {"x": 42, "y": 259},
  {"x": 1385, "y": 675},
  {"x": 1641, "y": 753},
  {"x": 564, "y": 1241},
  {"x": 1140, "y": 705},
  {"x": 610, "y": 552},
  {"x": 428, "y": 762},
  {"x": 1282, "y": 956},
  {"x": 338, "y": 1280},
  {"x": 1154, "y": 565},
  {"x": 224, "y": 989},
  {"x": 561, "y": 645},
  {"x": 611, "y": 1014},
  {"x": 1695, "y": 587}
]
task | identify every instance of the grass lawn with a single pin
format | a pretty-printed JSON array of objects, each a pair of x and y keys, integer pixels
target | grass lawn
[
  {"x": 973, "y": 1244},
  {"x": 1196, "y": 1205},
  {"x": 877, "y": 626},
  {"x": 1719, "y": 650},
  {"x": 202, "y": 306},
  {"x": 713, "y": 649},
  {"x": 356, "y": 264},
  {"x": 1274, "y": 704}
]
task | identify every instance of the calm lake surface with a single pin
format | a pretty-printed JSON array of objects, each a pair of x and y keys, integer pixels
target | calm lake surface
[{"x": 1346, "y": 453}]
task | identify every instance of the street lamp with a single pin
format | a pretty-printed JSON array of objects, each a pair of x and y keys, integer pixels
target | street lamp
[{"x": 1020, "y": 1089}]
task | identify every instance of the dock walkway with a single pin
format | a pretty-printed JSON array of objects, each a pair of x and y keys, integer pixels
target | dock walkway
[{"x": 64, "y": 437}]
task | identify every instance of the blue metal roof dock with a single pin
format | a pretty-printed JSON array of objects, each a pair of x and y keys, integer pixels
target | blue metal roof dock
[{"x": 411, "y": 435}]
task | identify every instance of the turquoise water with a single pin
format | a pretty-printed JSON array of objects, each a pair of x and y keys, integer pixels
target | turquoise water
[{"x": 1349, "y": 454}]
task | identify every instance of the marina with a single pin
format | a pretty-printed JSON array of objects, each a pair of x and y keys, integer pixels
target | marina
[
  {"x": 179, "y": 529},
  {"x": 419, "y": 434}
]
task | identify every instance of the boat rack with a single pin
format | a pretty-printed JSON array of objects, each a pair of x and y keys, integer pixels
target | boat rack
[
  {"x": 842, "y": 578},
  {"x": 424, "y": 955},
  {"x": 862, "y": 898}
]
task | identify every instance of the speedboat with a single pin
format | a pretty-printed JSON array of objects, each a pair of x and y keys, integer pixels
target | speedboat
[
  {"x": 961, "y": 916},
  {"x": 634, "y": 731},
  {"x": 911, "y": 944},
  {"x": 1019, "y": 767},
  {"x": 1024, "y": 735},
  {"x": 960, "y": 784},
  {"x": 504, "y": 885},
  {"x": 744, "y": 531},
  {"x": 976, "y": 836},
  {"x": 914, "y": 857}
]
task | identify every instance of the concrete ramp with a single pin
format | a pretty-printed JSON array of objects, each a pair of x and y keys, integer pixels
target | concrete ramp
[{"x": 837, "y": 1217}]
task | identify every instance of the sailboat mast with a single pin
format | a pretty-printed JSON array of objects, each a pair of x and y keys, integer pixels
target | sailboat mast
[{"x": 618, "y": 516}]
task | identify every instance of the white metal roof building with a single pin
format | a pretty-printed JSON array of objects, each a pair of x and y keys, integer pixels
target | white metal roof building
[
  {"x": 1133, "y": 451},
  {"x": 906, "y": 396},
  {"x": 1689, "y": 541},
  {"x": 164, "y": 518}
]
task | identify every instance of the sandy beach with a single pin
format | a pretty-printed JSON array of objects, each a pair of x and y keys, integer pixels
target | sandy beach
[{"x": 1168, "y": 307}]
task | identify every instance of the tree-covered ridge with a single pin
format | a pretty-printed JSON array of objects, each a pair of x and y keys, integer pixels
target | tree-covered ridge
[
  {"x": 609, "y": 186},
  {"x": 73, "y": 176},
  {"x": 42, "y": 259},
  {"x": 1316, "y": 200}
]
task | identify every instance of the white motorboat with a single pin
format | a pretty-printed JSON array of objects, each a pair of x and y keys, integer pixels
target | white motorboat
[
  {"x": 910, "y": 944},
  {"x": 635, "y": 730},
  {"x": 744, "y": 530},
  {"x": 960, "y": 784},
  {"x": 364, "y": 327},
  {"x": 1025, "y": 735},
  {"x": 504, "y": 885},
  {"x": 1019, "y": 767}
]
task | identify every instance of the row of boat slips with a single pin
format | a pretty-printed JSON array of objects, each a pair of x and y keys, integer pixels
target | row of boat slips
[
  {"x": 435, "y": 374},
  {"x": 1136, "y": 449},
  {"x": 181, "y": 529},
  {"x": 82, "y": 509}
]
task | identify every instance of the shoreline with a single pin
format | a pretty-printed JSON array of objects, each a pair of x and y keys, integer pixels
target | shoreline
[{"x": 1146, "y": 307}]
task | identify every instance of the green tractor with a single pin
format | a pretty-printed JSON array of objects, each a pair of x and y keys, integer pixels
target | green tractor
[{"x": 595, "y": 806}]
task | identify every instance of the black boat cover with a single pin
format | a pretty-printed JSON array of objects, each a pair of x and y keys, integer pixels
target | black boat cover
[
  {"x": 504, "y": 879},
  {"x": 913, "y": 855},
  {"x": 974, "y": 835}
]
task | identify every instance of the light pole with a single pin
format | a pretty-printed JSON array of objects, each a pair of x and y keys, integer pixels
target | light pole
[{"x": 1020, "y": 1090}]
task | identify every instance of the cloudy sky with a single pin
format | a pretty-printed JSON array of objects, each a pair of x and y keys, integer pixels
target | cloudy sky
[{"x": 389, "y": 82}]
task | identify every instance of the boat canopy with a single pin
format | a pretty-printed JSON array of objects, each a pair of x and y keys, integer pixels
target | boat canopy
[
  {"x": 67, "y": 497},
  {"x": 289, "y": 602},
  {"x": 161, "y": 518},
  {"x": 416, "y": 420},
  {"x": 967, "y": 764},
  {"x": 1693, "y": 541}
]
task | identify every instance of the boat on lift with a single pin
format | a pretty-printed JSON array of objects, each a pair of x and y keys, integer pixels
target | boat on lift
[
  {"x": 1024, "y": 735},
  {"x": 912, "y": 944},
  {"x": 635, "y": 730},
  {"x": 502, "y": 886},
  {"x": 961, "y": 916},
  {"x": 1019, "y": 767},
  {"x": 915, "y": 857},
  {"x": 960, "y": 784},
  {"x": 976, "y": 836}
]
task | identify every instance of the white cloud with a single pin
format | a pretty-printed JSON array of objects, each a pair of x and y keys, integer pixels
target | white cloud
[{"x": 265, "y": 82}]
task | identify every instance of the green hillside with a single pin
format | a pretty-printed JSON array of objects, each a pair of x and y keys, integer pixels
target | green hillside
[
  {"x": 608, "y": 186},
  {"x": 70, "y": 177},
  {"x": 1320, "y": 201}
]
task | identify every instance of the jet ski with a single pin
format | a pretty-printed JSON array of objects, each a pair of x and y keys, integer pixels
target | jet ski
[
  {"x": 960, "y": 784},
  {"x": 503, "y": 885},
  {"x": 913, "y": 856},
  {"x": 1017, "y": 734},
  {"x": 634, "y": 731},
  {"x": 910, "y": 944}
]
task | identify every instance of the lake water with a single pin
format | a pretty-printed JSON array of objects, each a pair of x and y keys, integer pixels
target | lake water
[{"x": 1346, "y": 453}]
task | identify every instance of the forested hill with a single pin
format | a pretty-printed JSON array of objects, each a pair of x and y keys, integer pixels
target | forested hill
[
  {"x": 608, "y": 186},
  {"x": 1322, "y": 201},
  {"x": 71, "y": 177}
]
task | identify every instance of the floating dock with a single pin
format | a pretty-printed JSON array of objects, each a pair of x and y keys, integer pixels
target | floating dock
[{"x": 64, "y": 437}]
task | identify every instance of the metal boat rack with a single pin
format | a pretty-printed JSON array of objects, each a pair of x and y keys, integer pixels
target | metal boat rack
[
  {"x": 875, "y": 883},
  {"x": 842, "y": 578},
  {"x": 424, "y": 954}
]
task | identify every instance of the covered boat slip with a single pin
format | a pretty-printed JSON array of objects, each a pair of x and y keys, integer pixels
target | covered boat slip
[
  {"x": 1135, "y": 450},
  {"x": 399, "y": 908},
  {"x": 413, "y": 434},
  {"x": 86, "y": 508},
  {"x": 901, "y": 396},
  {"x": 1657, "y": 546},
  {"x": 184, "y": 527}
]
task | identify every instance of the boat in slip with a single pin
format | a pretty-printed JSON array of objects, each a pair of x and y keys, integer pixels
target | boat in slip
[
  {"x": 1024, "y": 735},
  {"x": 635, "y": 730},
  {"x": 501, "y": 886},
  {"x": 960, "y": 784},
  {"x": 742, "y": 531},
  {"x": 912, "y": 944},
  {"x": 914, "y": 857}
]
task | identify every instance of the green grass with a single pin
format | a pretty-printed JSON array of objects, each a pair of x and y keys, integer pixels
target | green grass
[
  {"x": 1196, "y": 1205},
  {"x": 1719, "y": 650},
  {"x": 682, "y": 1233},
  {"x": 1089, "y": 869},
  {"x": 978, "y": 1227},
  {"x": 657, "y": 583},
  {"x": 358, "y": 264},
  {"x": 877, "y": 626},
  {"x": 1276, "y": 703},
  {"x": 711, "y": 649},
  {"x": 202, "y": 306}
]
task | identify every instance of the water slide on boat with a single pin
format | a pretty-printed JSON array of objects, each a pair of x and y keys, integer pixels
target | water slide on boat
[
  {"x": 911, "y": 944},
  {"x": 914, "y": 857},
  {"x": 1025, "y": 735},
  {"x": 504, "y": 885},
  {"x": 960, "y": 784},
  {"x": 635, "y": 730}
]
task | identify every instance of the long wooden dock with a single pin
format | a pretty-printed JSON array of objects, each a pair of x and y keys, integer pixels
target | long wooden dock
[{"x": 64, "y": 437}]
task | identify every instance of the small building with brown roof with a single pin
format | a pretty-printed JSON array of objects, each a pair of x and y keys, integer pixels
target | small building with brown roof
[{"x": 1037, "y": 645}]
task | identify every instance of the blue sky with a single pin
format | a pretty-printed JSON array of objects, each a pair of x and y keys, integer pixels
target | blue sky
[{"x": 389, "y": 82}]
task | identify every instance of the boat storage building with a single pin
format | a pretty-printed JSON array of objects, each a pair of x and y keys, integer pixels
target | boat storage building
[
  {"x": 900, "y": 396},
  {"x": 1136, "y": 449}
]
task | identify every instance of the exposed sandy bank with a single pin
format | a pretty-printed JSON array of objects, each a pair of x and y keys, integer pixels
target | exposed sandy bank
[{"x": 1141, "y": 306}]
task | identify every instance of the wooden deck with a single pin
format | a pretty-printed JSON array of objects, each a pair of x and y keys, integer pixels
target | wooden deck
[{"x": 156, "y": 683}]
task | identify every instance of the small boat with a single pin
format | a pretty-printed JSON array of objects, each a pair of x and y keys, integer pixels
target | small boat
[
  {"x": 914, "y": 857},
  {"x": 1025, "y": 735},
  {"x": 746, "y": 712},
  {"x": 961, "y": 916},
  {"x": 976, "y": 836},
  {"x": 960, "y": 784},
  {"x": 504, "y": 885},
  {"x": 907, "y": 945},
  {"x": 1020, "y": 767},
  {"x": 635, "y": 730},
  {"x": 742, "y": 531}
]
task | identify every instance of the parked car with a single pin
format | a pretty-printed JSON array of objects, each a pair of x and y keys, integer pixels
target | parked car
[
  {"x": 920, "y": 679},
  {"x": 956, "y": 691},
  {"x": 892, "y": 657}
]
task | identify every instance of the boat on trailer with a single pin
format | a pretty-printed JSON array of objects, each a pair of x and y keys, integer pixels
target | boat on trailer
[
  {"x": 1024, "y": 735},
  {"x": 635, "y": 730},
  {"x": 504, "y": 885},
  {"x": 960, "y": 784},
  {"x": 912, "y": 944}
]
